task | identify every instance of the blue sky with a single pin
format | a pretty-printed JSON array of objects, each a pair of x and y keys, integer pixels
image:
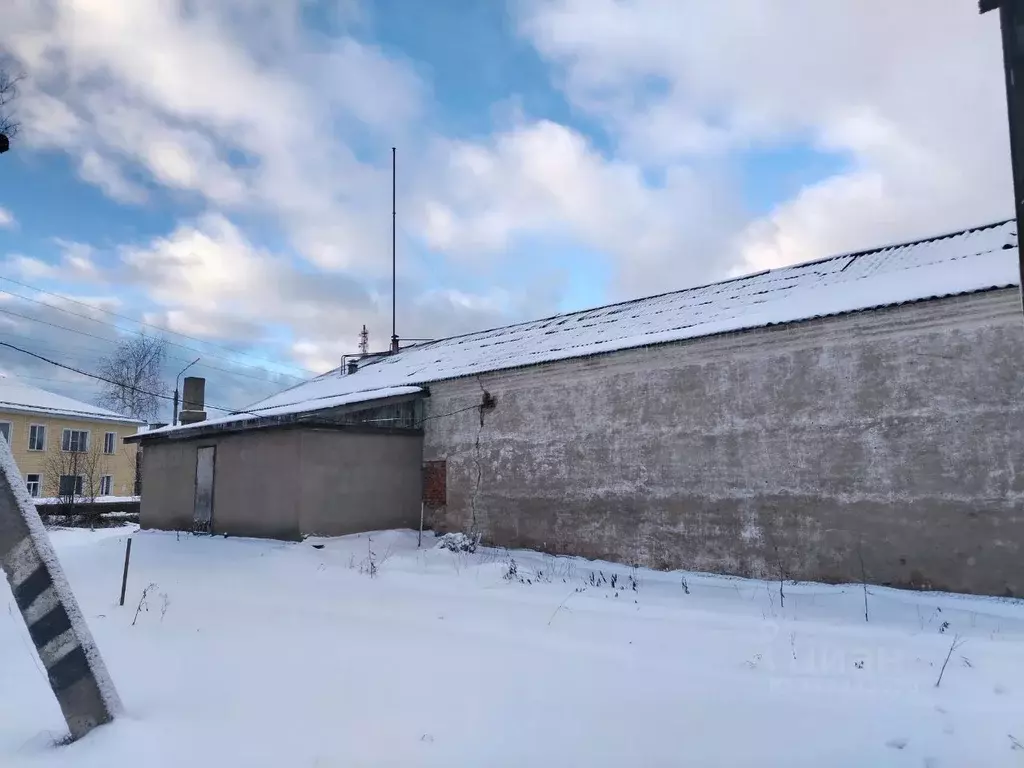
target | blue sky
[{"x": 221, "y": 171}]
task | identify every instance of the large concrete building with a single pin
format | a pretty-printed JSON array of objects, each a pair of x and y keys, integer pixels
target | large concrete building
[{"x": 861, "y": 414}]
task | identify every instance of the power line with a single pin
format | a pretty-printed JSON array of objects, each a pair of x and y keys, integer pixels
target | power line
[
  {"x": 36, "y": 344},
  {"x": 111, "y": 341},
  {"x": 104, "y": 379},
  {"x": 143, "y": 323},
  {"x": 129, "y": 330},
  {"x": 230, "y": 411},
  {"x": 20, "y": 376},
  {"x": 59, "y": 350}
]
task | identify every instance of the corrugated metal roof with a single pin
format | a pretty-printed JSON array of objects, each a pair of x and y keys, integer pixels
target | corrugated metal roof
[{"x": 962, "y": 262}]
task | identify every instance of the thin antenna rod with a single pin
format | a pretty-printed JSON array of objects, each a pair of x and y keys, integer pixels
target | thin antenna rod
[{"x": 394, "y": 291}]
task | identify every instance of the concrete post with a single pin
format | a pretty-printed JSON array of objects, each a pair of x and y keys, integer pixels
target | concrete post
[{"x": 76, "y": 672}]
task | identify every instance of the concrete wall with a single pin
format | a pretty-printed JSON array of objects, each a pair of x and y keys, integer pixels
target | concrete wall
[
  {"x": 287, "y": 483},
  {"x": 168, "y": 486},
  {"x": 255, "y": 488},
  {"x": 897, "y": 432},
  {"x": 364, "y": 482}
]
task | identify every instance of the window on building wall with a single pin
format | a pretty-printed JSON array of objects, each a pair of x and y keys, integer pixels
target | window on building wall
[
  {"x": 5, "y": 430},
  {"x": 37, "y": 437},
  {"x": 75, "y": 440},
  {"x": 109, "y": 442},
  {"x": 106, "y": 483},
  {"x": 32, "y": 483},
  {"x": 70, "y": 485}
]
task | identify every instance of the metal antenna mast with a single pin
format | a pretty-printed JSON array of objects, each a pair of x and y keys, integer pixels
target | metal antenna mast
[{"x": 394, "y": 216}]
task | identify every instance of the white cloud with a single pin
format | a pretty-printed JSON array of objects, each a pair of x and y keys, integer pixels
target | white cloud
[
  {"x": 235, "y": 107},
  {"x": 209, "y": 271},
  {"x": 913, "y": 98},
  {"x": 147, "y": 91},
  {"x": 212, "y": 282},
  {"x": 129, "y": 90},
  {"x": 108, "y": 176},
  {"x": 29, "y": 267},
  {"x": 76, "y": 264},
  {"x": 78, "y": 261},
  {"x": 543, "y": 178},
  {"x": 205, "y": 323},
  {"x": 176, "y": 158},
  {"x": 132, "y": 91},
  {"x": 7, "y": 220}
]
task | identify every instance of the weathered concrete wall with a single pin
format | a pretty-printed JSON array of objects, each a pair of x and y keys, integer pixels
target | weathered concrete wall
[
  {"x": 355, "y": 482},
  {"x": 168, "y": 486},
  {"x": 254, "y": 484},
  {"x": 256, "y": 492},
  {"x": 286, "y": 483},
  {"x": 895, "y": 432}
]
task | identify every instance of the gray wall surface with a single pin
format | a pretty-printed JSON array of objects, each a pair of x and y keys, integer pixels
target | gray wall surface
[
  {"x": 168, "y": 486},
  {"x": 783, "y": 450},
  {"x": 255, "y": 488},
  {"x": 364, "y": 482},
  {"x": 287, "y": 483}
]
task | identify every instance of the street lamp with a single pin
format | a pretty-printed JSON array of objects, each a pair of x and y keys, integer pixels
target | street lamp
[{"x": 176, "y": 382}]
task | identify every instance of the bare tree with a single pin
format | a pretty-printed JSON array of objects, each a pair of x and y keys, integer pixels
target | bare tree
[
  {"x": 134, "y": 375},
  {"x": 74, "y": 477},
  {"x": 9, "y": 79}
]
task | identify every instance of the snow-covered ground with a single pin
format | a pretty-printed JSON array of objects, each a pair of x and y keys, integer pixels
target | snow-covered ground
[{"x": 261, "y": 653}]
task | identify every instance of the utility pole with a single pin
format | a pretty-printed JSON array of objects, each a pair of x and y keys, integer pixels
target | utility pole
[
  {"x": 1011, "y": 22},
  {"x": 394, "y": 215},
  {"x": 76, "y": 673}
]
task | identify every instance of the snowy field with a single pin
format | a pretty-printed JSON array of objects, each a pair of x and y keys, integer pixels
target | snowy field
[{"x": 257, "y": 653}]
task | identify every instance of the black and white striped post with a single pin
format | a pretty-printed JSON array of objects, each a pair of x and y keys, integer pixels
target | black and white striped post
[{"x": 58, "y": 630}]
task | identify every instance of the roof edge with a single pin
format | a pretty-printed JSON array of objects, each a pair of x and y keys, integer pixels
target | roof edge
[
  {"x": 255, "y": 420},
  {"x": 698, "y": 286},
  {"x": 291, "y": 421},
  {"x": 68, "y": 414},
  {"x": 731, "y": 332}
]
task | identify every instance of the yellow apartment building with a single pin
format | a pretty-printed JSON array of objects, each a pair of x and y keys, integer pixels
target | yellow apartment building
[{"x": 63, "y": 446}]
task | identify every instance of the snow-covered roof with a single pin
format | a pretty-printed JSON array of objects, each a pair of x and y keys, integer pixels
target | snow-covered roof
[
  {"x": 18, "y": 396},
  {"x": 962, "y": 262},
  {"x": 286, "y": 409}
]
